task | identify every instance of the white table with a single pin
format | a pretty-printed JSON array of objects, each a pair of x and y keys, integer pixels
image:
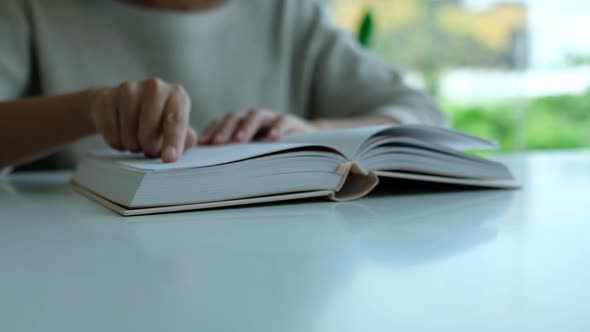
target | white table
[{"x": 445, "y": 261}]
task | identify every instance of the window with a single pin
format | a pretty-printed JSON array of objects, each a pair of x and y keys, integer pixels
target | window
[{"x": 517, "y": 71}]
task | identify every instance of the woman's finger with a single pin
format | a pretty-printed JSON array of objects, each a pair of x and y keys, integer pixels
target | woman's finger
[
  {"x": 106, "y": 118},
  {"x": 251, "y": 124},
  {"x": 191, "y": 139},
  {"x": 175, "y": 125},
  {"x": 127, "y": 104},
  {"x": 279, "y": 128},
  {"x": 227, "y": 128},
  {"x": 154, "y": 97},
  {"x": 206, "y": 135}
]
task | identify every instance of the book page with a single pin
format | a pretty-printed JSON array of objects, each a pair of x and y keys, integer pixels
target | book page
[
  {"x": 441, "y": 136},
  {"x": 352, "y": 141},
  {"x": 348, "y": 141},
  {"x": 199, "y": 156}
]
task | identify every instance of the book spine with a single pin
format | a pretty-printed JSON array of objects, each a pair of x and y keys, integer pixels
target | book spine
[{"x": 355, "y": 183}]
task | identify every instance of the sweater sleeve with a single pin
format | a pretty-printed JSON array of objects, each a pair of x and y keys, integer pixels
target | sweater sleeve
[
  {"x": 351, "y": 81},
  {"x": 15, "y": 53}
]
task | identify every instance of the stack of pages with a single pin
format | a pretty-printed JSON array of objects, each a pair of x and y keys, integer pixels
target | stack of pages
[{"x": 339, "y": 165}]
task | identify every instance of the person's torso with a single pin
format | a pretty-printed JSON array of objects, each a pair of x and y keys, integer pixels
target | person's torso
[{"x": 229, "y": 59}]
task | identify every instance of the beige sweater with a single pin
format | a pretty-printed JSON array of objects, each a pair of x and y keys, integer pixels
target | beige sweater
[{"x": 284, "y": 55}]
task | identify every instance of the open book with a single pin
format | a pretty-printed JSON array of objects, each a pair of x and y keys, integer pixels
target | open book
[{"x": 339, "y": 164}]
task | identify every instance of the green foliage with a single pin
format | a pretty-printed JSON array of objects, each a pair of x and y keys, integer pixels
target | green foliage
[
  {"x": 553, "y": 122},
  {"x": 497, "y": 122},
  {"x": 577, "y": 60},
  {"x": 559, "y": 122},
  {"x": 365, "y": 34}
]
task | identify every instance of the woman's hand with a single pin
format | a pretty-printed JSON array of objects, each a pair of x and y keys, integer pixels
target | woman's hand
[
  {"x": 254, "y": 124},
  {"x": 149, "y": 116}
]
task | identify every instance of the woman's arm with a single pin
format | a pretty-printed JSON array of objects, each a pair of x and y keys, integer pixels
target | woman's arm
[
  {"x": 149, "y": 116},
  {"x": 350, "y": 81},
  {"x": 32, "y": 128}
]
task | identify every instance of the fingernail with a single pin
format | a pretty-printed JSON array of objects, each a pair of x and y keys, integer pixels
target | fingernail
[{"x": 169, "y": 154}]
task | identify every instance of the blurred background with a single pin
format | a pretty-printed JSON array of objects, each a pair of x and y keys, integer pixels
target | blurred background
[{"x": 515, "y": 71}]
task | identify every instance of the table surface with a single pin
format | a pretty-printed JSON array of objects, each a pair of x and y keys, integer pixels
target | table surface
[{"x": 407, "y": 260}]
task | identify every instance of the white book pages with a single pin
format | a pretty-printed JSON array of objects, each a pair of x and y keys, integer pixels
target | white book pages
[
  {"x": 199, "y": 156},
  {"x": 445, "y": 137},
  {"x": 355, "y": 141},
  {"x": 300, "y": 171},
  {"x": 348, "y": 141}
]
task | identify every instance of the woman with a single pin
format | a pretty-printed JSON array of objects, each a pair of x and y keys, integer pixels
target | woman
[{"x": 234, "y": 70}]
